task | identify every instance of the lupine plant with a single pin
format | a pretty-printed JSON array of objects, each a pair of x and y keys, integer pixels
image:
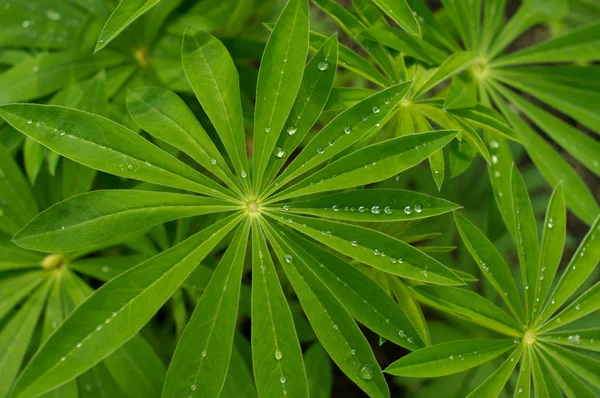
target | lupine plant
[{"x": 192, "y": 226}]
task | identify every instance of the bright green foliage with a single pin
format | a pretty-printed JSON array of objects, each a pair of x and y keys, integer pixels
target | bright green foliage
[{"x": 170, "y": 169}]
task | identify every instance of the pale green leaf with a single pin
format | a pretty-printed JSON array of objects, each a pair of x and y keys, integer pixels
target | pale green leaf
[
  {"x": 494, "y": 384},
  {"x": 401, "y": 13}
]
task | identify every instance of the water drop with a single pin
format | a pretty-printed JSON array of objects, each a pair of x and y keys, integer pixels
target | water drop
[
  {"x": 494, "y": 159},
  {"x": 278, "y": 355},
  {"x": 376, "y": 252},
  {"x": 375, "y": 210},
  {"x": 362, "y": 209},
  {"x": 129, "y": 167},
  {"x": 79, "y": 345},
  {"x": 526, "y": 286},
  {"x": 331, "y": 142},
  {"x": 387, "y": 210},
  {"x": 288, "y": 258},
  {"x": 267, "y": 129},
  {"x": 244, "y": 174},
  {"x": 203, "y": 354},
  {"x": 347, "y": 130},
  {"x": 366, "y": 372},
  {"x": 550, "y": 223},
  {"x": 291, "y": 130},
  {"x": 193, "y": 387},
  {"x": 63, "y": 358},
  {"x": 363, "y": 118},
  {"x": 408, "y": 210},
  {"x": 409, "y": 340},
  {"x": 578, "y": 307},
  {"x": 323, "y": 66},
  {"x": 213, "y": 162},
  {"x": 320, "y": 150},
  {"x": 279, "y": 153},
  {"x": 520, "y": 390},
  {"x": 335, "y": 208},
  {"x": 25, "y": 24},
  {"x": 418, "y": 208},
  {"x": 451, "y": 356},
  {"x": 393, "y": 260},
  {"x": 282, "y": 379},
  {"x": 335, "y": 327},
  {"x": 286, "y": 207},
  {"x": 354, "y": 243},
  {"x": 375, "y": 109}
]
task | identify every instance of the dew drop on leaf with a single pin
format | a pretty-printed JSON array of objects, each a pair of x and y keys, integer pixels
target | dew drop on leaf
[
  {"x": 288, "y": 258},
  {"x": 291, "y": 130},
  {"x": 278, "y": 355},
  {"x": 323, "y": 66},
  {"x": 366, "y": 372},
  {"x": 408, "y": 210}
]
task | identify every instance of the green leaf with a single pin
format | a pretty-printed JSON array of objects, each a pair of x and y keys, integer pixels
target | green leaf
[
  {"x": 375, "y": 249},
  {"x": 454, "y": 64},
  {"x": 201, "y": 359},
  {"x": 126, "y": 12},
  {"x": 371, "y": 164},
  {"x": 310, "y": 101},
  {"x": 583, "y": 262},
  {"x": 578, "y": 102},
  {"x": 580, "y": 44},
  {"x": 448, "y": 358},
  {"x": 372, "y": 205},
  {"x": 362, "y": 297},
  {"x": 92, "y": 218},
  {"x": 470, "y": 305},
  {"x": 115, "y": 313},
  {"x": 572, "y": 385},
  {"x": 341, "y": 98},
  {"x": 527, "y": 240},
  {"x": 491, "y": 263},
  {"x": 582, "y": 365},
  {"x": 165, "y": 115},
  {"x": 15, "y": 288},
  {"x": 482, "y": 117},
  {"x": 273, "y": 329},
  {"x": 523, "y": 388},
  {"x": 581, "y": 146},
  {"x": 17, "y": 205},
  {"x": 552, "y": 166},
  {"x": 106, "y": 267},
  {"x": 494, "y": 384},
  {"x": 401, "y": 13},
  {"x": 215, "y": 81},
  {"x": 587, "y": 339},
  {"x": 408, "y": 45},
  {"x": 16, "y": 335},
  {"x": 540, "y": 388},
  {"x": 279, "y": 77},
  {"x": 104, "y": 145},
  {"x": 345, "y": 130},
  {"x": 76, "y": 178},
  {"x": 318, "y": 371},
  {"x": 462, "y": 93},
  {"x": 553, "y": 240},
  {"x": 585, "y": 304},
  {"x": 356, "y": 29},
  {"x": 13, "y": 257},
  {"x": 334, "y": 327},
  {"x": 33, "y": 157},
  {"x": 53, "y": 72}
]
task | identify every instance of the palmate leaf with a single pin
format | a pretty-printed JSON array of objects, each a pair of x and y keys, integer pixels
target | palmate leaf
[
  {"x": 279, "y": 79},
  {"x": 199, "y": 365},
  {"x": 104, "y": 145},
  {"x": 448, "y": 358},
  {"x": 93, "y": 218},
  {"x": 334, "y": 327},
  {"x": 375, "y": 249},
  {"x": 115, "y": 313},
  {"x": 273, "y": 331},
  {"x": 362, "y": 297}
]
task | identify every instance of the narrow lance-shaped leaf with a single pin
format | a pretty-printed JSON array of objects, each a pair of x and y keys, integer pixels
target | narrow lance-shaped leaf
[
  {"x": 313, "y": 94},
  {"x": 463, "y": 92},
  {"x": 107, "y": 146},
  {"x": 165, "y": 115},
  {"x": 583, "y": 262},
  {"x": 372, "y": 164},
  {"x": 523, "y": 388},
  {"x": 584, "y": 366},
  {"x": 401, "y": 13},
  {"x": 553, "y": 239},
  {"x": 454, "y": 64},
  {"x": 334, "y": 327},
  {"x": 279, "y": 77},
  {"x": 318, "y": 371},
  {"x": 448, "y": 358},
  {"x": 491, "y": 263},
  {"x": 115, "y": 313},
  {"x": 126, "y": 12},
  {"x": 17, "y": 205},
  {"x": 470, "y": 305},
  {"x": 93, "y": 218},
  {"x": 587, "y": 303},
  {"x": 527, "y": 240},
  {"x": 212, "y": 74},
  {"x": 16, "y": 335},
  {"x": 587, "y": 339},
  {"x": 273, "y": 329},
  {"x": 345, "y": 130},
  {"x": 571, "y": 384},
  {"x": 199, "y": 365},
  {"x": 362, "y": 297},
  {"x": 376, "y": 249},
  {"x": 494, "y": 384},
  {"x": 371, "y": 205}
]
